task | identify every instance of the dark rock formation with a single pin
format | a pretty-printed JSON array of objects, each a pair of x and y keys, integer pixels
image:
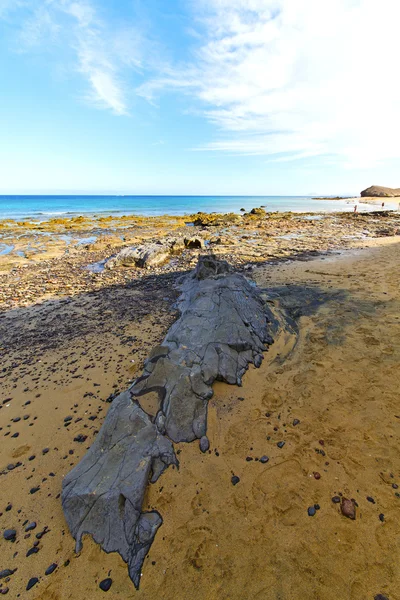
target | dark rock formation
[
  {"x": 377, "y": 191},
  {"x": 224, "y": 326}
]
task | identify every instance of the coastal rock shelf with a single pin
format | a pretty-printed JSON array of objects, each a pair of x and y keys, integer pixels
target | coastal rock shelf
[{"x": 224, "y": 326}]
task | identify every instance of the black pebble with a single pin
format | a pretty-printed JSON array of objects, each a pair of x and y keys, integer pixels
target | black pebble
[
  {"x": 50, "y": 569},
  {"x": 31, "y": 526},
  {"x": 7, "y": 573},
  {"x": 264, "y": 459},
  {"x": 317, "y": 506},
  {"x": 33, "y": 581},
  {"x": 80, "y": 438},
  {"x": 370, "y": 499},
  {"x": 380, "y": 597},
  {"x": 105, "y": 584},
  {"x": 336, "y": 499},
  {"x": 10, "y": 535},
  {"x": 8, "y": 507},
  {"x": 382, "y": 517},
  {"x": 280, "y": 444},
  {"x": 311, "y": 511},
  {"x": 33, "y": 550},
  {"x": 296, "y": 422},
  {"x": 235, "y": 480},
  {"x": 34, "y": 490}
]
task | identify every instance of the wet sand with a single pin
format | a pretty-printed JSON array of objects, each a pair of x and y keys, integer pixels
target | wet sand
[{"x": 66, "y": 357}]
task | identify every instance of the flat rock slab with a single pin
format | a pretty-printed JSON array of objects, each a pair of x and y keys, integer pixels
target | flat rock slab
[{"x": 224, "y": 326}]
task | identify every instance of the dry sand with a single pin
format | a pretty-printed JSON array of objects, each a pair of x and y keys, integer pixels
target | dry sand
[{"x": 254, "y": 540}]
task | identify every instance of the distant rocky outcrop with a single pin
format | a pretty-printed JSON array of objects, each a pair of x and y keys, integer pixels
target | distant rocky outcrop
[{"x": 377, "y": 191}]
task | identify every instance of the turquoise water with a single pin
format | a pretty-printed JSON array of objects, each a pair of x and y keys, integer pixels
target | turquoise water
[{"x": 44, "y": 207}]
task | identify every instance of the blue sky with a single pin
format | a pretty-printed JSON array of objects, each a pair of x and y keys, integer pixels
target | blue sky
[{"x": 198, "y": 96}]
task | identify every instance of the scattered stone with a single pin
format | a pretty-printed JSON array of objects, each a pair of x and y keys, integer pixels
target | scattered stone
[
  {"x": 204, "y": 443},
  {"x": 264, "y": 459},
  {"x": 380, "y": 597},
  {"x": 105, "y": 584},
  {"x": 317, "y": 475},
  {"x": 31, "y": 526},
  {"x": 7, "y": 573},
  {"x": 10, "y": 535},
  {"x": 370, "y": 499},
  {"x": 348, "y": 508},
  {"x": 33, "y": 550},
  {"x": 336, "y": 499},
  {"x": 80, "y": 438},
  {"x": 33, "y": 581},
  {"x": 296, "y": 422},
  {"x": 235, "y": 480},
  {"x": 311, "y": 511},
  {"x": 382, "y": 517},
  {"x": 8, "y": 507},
  {"x": 34, "y": 489},
  {"x": 51, "y": 569},
  {"x": 280, "y": 444}
]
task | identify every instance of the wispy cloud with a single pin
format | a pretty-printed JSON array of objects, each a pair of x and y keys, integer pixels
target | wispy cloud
[
  {"x": 102, "y": 53},
  {"x": 295, "y": 78}
]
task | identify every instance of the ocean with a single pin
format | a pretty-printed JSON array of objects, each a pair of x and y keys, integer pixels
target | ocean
[{"x": 45, "y": 207}]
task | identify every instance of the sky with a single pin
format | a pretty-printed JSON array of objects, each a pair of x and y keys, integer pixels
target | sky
[{"x": 245, "y": 97}]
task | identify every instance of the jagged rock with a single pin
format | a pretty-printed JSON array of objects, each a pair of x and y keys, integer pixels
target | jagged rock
[
  {"x": 153, "y": 254},
  {"x": 194, "y": 242},
  {"x": 259, "y": 212},
  {"x": 224, "y": 326},
  {"x": 378, "y": 191},
  {"x": 214, "y": 219},
  {"x": 103, "y": 494}
]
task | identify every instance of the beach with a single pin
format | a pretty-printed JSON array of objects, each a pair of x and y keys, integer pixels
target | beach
[{"x": 74, "y": 334}]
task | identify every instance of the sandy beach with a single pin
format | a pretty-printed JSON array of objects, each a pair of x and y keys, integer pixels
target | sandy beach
[{"x": 72, "y": 338}]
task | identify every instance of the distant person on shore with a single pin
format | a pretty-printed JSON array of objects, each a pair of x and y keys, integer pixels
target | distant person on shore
[
  {"x": 355, "y": 207},
  {"x": 383, "y": 204}
]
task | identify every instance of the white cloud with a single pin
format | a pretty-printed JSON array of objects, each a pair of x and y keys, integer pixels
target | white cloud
[
  {"x": 295, "y": 78},
  {"x": 102, "y": 53}
]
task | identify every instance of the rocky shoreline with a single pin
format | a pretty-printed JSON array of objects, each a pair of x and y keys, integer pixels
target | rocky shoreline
[{"x": 62, "y": 257}]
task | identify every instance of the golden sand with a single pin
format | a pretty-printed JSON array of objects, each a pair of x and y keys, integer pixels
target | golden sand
[{"x": 254, "y": 540}]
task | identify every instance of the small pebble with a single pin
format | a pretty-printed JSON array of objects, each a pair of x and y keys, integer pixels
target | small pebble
[
  {"x": 33, "y": 581},
  {"x": 204, "y": 444},
  {"x": 31, "y": 526},
  {"x": 336, "y": 499},
  {"x": 235, "y": 480},
  {"x": 33, "y": 550},
  {"x": 10, "y": 535},
  {"x": 296, "y": 422},
  {"x": 380, "y": 597},
  {"x": 382, "y": 517},
  {"x": 34, "y": 490},
  {"x": 317, "y": 476},
  {"x": 280, "y": 444},
  {"x": 370, "y": 499},
  {"x": 348, "y": 508},
  {"x": 80, "y": 438},
  {"x": 264, "y": 459},
  {"x": 4, "y": 591},
  {"x": 6, "y": 573},
  {"x": 105, "y": 584},
  {"x": 50, "y": 569},
  {"x": 311, "y": 511}
]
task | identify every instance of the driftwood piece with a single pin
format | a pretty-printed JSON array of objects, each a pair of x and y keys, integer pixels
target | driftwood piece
[{"x": 224, "y": 326}]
